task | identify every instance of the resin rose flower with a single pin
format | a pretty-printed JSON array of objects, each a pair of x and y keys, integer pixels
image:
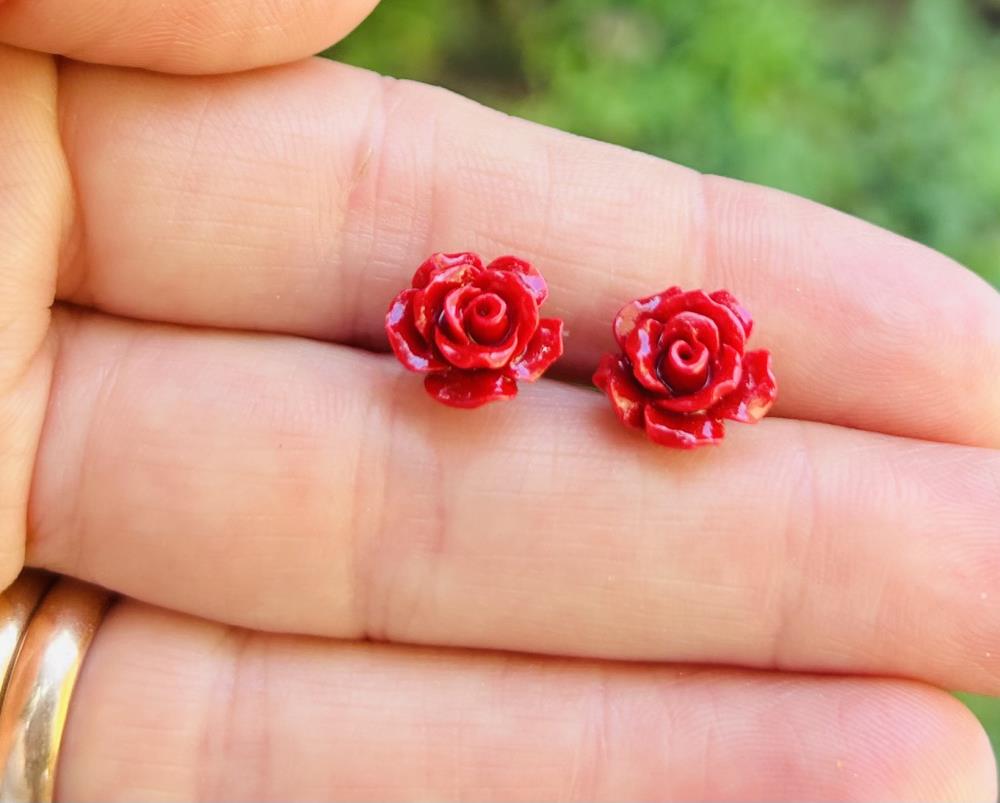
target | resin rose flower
[
  {"x": 474, "y": 330},
  {"x": 684, "y": 367}
]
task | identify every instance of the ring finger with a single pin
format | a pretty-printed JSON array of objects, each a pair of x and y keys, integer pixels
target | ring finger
[{"x": 288, "y": 485}]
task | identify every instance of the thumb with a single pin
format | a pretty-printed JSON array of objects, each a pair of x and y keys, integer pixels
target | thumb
[{"x": 182, "y": 36}]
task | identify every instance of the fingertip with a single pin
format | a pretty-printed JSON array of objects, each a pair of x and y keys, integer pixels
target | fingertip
[
  {"x": 876, "y": 739},
  {"x": 944, "y": 752},
  {"x": 903, "y": 339}
]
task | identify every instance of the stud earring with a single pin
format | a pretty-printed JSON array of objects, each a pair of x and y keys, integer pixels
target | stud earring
[
  {"x": 683, "y": 367},
  {"x": 474, "y": 331}
]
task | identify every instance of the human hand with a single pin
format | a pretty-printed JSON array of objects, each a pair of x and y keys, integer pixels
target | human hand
[{"x": 202, "y": 423}]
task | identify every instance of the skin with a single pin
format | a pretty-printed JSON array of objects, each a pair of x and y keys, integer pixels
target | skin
[{"x": 193, "y": 412}]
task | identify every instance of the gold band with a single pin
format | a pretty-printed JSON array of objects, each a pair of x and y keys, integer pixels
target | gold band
[
  {"x": 17, "y": 604},
  {"x": 40, "y": 685}
]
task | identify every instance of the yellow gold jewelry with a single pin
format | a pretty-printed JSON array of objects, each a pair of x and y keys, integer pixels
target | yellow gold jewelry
[
  {"x": 40, "y": 685},
  {"x": 17, "y": 604}
]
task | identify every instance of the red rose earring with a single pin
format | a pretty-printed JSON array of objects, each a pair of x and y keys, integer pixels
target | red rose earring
[
  {"x": 474, "y": 330},
  {"x": 684, "y": 367}
]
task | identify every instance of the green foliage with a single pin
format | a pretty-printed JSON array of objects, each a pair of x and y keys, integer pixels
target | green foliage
[
  {"x": 887, "y": 110},
  {"x": 988, "y": 711}
]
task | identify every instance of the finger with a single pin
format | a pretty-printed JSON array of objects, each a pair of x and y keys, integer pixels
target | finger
[
  {"x": 183, "y": 36},
  {"x": 286, "y": 485},
  {"x": 340, "y": 183},
  {"x": 173, "y": 708},
  {"x": 34, "y": 202}
]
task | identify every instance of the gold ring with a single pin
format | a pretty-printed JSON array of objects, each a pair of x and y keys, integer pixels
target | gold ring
[
  {"x": 40, "y": 685},
  {"x": 17, "y": 604}
]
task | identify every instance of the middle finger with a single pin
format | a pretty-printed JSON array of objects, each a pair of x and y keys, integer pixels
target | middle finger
[
  {"x": 287, "y": 485},
  {"x": 300, "y": 200}
]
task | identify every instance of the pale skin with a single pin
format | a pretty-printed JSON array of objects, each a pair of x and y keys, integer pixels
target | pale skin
[{"x": 196, "y": 410}]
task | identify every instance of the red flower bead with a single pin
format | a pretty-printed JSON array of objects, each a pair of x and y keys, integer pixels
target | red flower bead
[
  {"x": 684, "y": 367},
  {"x": 474, "y": 330}
]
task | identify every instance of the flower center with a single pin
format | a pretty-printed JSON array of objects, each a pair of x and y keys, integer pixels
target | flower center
[
  {"x": 486, "y": 319},
  {"x": 684, "y": 366}
]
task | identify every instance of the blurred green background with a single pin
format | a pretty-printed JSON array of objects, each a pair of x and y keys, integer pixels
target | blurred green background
[{"x": 888, "y": 109}]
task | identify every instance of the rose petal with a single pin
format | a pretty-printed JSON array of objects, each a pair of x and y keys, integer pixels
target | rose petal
[
  {"x": 669, "y": 306},
  {"x": 485, "y": 318},
  {"x": 756, "y": 393},
  {"x": 642, "y": 347},
  {"x": 437, "y": 263},
  {"x": 427, "y": 306},
  {"x": 470, "y": 388},
  {"x": 681, "y": 431},
  {"x": 692, "y": 326},
  {"x": 527, "y": 272},
  {"x": 614, "y": 377},
  {"x": 673, "y": 301},
  {"x": 408, "y": 345},
  {"x": 684, "y": 367},
  {"x": 630, "y": 315},
  {"x": 731, "y": 332},
  {"x": 522, "y": 309},
  {"x": 474, "y": 356},
  {"x": 724, "y": 378},
  {"x": 742, "y": 313},
  {"x": 452, "y": 317},
  {"x": 544, "y": 349}
]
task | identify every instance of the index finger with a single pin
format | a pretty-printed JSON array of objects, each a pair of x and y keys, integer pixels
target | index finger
[
  {"x": 183, "y": 36},
  {"x": 340, "y": 183}
]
